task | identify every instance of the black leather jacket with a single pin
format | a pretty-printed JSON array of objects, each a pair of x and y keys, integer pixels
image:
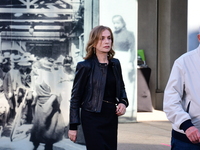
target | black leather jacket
[{"x": 89, "y": 84}]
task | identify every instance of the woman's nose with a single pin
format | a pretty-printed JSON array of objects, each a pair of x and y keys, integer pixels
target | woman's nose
[{"x": 107, "y": 40}]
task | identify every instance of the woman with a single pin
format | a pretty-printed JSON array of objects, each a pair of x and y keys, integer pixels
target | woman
[
  {"x": 126, "y": 53},
  {"x": 99, "y": 90}
]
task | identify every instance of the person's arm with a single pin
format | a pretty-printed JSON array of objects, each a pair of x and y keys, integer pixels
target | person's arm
[
  {"x": 80, "y": 80},
  {"x": 172, "y": 104}
]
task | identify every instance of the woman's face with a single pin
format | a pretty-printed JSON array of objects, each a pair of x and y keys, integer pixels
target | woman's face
[
  {"x": 104, "y": 43},
  {"x": 118, "y": 25}
]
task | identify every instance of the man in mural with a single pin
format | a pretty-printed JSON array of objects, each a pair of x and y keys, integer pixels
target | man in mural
[
  {"x": 6, "y": 66},
  {"x": 181, "y": 101},
  {"x": 7, "y": 86},
  {"x": 24, "y": 83},
  {"x": 67, "y": 64},
  {"x": 10, "y": 85},
  {"x": 4, "y": 105}
]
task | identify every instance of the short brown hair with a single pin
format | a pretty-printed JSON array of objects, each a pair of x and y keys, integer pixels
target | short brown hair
[{"x": 94, "y": 37}]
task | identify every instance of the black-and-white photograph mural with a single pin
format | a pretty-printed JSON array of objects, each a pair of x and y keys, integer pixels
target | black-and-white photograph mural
[
  {"x": 41, "y": 42},
  {"x": 121, "y": 17}
]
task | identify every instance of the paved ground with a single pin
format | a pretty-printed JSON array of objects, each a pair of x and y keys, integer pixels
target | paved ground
[
  {"x": 150, "y": 132},
  {"x": 144, "y": 136}
]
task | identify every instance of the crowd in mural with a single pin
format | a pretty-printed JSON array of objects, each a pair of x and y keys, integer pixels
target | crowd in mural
[{"x": 37, "y": 85}]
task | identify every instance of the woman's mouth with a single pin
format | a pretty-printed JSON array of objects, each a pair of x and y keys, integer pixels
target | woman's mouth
[{"x": 106, "y": 46}]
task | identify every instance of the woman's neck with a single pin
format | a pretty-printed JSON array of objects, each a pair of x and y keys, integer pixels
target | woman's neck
[{"x": 102, "y": 58}]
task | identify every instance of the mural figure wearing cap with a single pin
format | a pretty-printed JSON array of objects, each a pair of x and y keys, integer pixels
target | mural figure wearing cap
[
  {"x": 11, "y": 84},
  {"x": 6, "y": 66},
  {"x": 25, "y": 83},
  {"x": 57, "y": 72},
  {"x": 30, "y": 57},
  {"x": 25, "y": 71},
  {"x": 7, "y": 85},
  {"x": 67, "y": 64},
  {"x": 6, "y": 56},
  {"x": 63, "y": 73},
  {"x": 4, "y": 106},
  {"x": 15, "y": 74},
  {"x": 58, "y": 64},
  {"x": 4, "y": 109},
  {"x": 48, "y": 124},
  {"x": 1, "y": 71}
]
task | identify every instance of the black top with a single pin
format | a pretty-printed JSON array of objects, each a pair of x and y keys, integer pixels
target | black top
[{"x": 110, "y": 87}]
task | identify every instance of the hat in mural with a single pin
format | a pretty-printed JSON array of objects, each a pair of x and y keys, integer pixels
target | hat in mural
[
  {"x": 6, "y": 55},
  {"x": 24, "y": 62},
  {"x": 29, "y": 56},
  {"x": 51, "y": 60},
  {"x": 59, "y": 60},
  {"x": 32, "y": 58},
  {"x": 45, "y": 64},
  {"x": 67, "y": 61},
  {"x": 15, "y": 58},
  {"x": 26, "y": 55}
]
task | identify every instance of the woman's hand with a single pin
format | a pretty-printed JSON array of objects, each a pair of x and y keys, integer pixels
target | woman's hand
[
  {"x": 121, "y": 109},
  {"x": 72, "y": 134}
]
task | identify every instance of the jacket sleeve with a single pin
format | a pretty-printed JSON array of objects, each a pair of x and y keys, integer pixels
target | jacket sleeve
[
  {"x": 174, "y": 91},
  {"x": 77, "y": 92}
]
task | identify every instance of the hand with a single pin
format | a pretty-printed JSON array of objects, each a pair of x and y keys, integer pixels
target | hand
[
  {"x": 193, "y": 134},
  {"x": 72, "y": 135},
  {"x": 121, "y": 109}
]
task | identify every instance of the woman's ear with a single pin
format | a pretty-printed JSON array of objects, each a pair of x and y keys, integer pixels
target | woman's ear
[{"x": 198, "y": 36}]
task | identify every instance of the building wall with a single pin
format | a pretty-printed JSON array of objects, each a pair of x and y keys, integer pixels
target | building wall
[{"x": 162, "y": 33}]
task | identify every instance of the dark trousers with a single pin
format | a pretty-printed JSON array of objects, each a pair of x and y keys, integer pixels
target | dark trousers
[{"x": 180, "y": 145}]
